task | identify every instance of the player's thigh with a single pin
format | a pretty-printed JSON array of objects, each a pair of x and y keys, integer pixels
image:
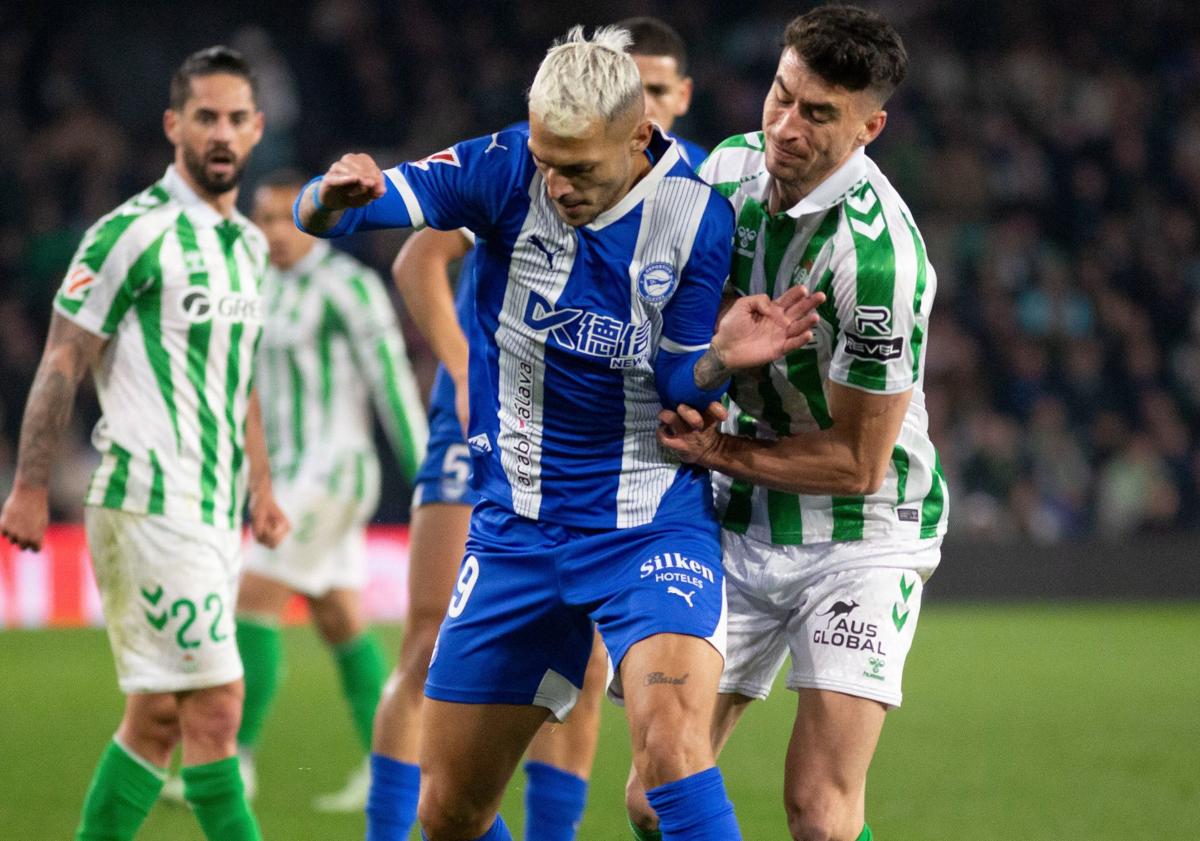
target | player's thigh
[
  {"x": 469, "y": 751},
  {"x": 167, "y": 587},
  {"x": 437, "y": 535},
  {"x": 670, "y": 689},
  {"x": 262, "y": 596},
  {"x": 337, "y": 615},
  {"x": 571, "y": 745},
  {"x": 855, "y": 631}
]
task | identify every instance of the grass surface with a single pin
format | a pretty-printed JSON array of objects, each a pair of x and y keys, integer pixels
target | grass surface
[{"x": 1040, "y": 723}]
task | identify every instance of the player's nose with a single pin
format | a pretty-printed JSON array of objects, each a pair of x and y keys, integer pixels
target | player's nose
[{"x": 557, "y": 186}]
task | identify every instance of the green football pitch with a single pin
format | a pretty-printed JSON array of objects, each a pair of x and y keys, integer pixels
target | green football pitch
[{"x": 1048, "y": 722}]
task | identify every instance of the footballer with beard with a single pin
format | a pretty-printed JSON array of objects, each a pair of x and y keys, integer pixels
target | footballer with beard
[{"x": 161, "y": 305}]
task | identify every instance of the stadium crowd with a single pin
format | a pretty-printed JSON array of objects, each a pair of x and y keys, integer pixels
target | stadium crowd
[{"x": 1050, "y": 153}]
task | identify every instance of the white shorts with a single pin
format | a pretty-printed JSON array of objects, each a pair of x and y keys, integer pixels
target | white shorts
[
  {"x": 168, "y": 589},
  {"x": 327, "y": 546},
  {"x": 846, "y": 612}
]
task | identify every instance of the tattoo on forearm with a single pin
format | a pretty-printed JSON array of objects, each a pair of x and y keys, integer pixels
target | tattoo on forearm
[
  {"x": 47, "y": 414},
  {"x": 656, "y": 678},
  {"x": 710, "y": 371}
]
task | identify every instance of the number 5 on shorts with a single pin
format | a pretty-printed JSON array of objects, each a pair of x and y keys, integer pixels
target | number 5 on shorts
[{"x": 463, "y": 587}]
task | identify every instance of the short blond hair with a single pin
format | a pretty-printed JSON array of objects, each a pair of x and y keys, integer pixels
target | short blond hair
[{"x": 582, "y": 80}]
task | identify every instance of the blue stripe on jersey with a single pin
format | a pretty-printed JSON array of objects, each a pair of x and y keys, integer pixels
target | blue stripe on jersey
[{"x": 567, "y": 324}]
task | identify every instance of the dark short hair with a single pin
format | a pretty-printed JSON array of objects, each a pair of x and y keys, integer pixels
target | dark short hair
[
  {"x": 850, "y": 47},
  {"x": 284, "y": 177},
  {"x": 652, "y": 36},
  {"x": 207, "y": 62}
]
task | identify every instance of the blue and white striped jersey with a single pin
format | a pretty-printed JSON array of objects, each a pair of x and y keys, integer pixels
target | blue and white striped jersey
[{"x": 578, "y": 335}]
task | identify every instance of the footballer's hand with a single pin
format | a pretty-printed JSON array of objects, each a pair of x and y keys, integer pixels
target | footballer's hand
[
  {"x": 353, "y": 181},
  {"x": 687, "y": 419},
  {"x": 756, "y": 330},
  {"x": 25, "y": 515},
  {"x": 267, "y": 520},
  {"x": 691, "y": 435}
]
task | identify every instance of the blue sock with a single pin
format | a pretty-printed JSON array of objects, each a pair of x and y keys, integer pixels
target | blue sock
[
  {"x": 498, "y": 832},
  {"x": 695, "y": 808},
  {"x": 554, "y": 803},
  {"x": 392, "y": 802}
]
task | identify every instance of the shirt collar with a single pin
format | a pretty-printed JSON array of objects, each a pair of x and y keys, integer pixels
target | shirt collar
[
  {"x": 666, "y": 155},
  {"x": 830, "y": 191},
  {"x": 198, "y": 210}
]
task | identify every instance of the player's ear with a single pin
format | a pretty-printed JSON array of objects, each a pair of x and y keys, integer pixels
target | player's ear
[
  {"x": 171, "y": 125},
  {"x": 871, "y": 128},
  {"x": 641, "y": 136},
  {"x": 685, "y": 96}
]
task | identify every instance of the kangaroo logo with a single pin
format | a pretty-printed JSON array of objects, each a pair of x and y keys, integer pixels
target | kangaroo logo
[
  {"x": 687, "y": 597},
  {"x": 838, "y": 610}
]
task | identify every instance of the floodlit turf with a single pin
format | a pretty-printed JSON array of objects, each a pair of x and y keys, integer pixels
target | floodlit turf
[{"x": 1021, "y": 723}]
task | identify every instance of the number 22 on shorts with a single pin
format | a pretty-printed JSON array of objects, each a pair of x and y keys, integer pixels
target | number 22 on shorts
[{"x": 467, "y": 578}]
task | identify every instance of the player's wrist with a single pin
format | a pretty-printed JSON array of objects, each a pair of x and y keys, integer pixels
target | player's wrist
[{"x": 32, "y": 491}]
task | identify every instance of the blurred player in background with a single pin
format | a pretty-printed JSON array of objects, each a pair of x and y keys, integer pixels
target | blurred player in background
[
  {"x": 559, "y": 760},
  {"x": 162, "y": 303},
  {"x": 599, "y": 270},
  {"x": 661, "y": 58},
  {"x": 331, "y": 346},
  {"x": 831, "y": 494}
]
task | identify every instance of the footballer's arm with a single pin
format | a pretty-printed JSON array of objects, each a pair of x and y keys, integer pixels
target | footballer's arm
[
  {"x": 70, "y": 352},
  {"x": 267, "y": 520},
  {"x": 849, "y": 458},
  {"x": 421, "y": 274}
]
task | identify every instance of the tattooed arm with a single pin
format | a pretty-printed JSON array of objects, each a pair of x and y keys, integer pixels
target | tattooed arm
[{"x": 70, "y": 352}]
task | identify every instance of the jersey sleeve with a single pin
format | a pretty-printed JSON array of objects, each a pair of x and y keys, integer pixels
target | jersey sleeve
[
  {"x": 464, "y": 186},
  {"x": 116, "y": 260},
  {"x": 691, "y": 314},
  {"x": 881, "y": 289},
  {"x": 378, "y": 346}
]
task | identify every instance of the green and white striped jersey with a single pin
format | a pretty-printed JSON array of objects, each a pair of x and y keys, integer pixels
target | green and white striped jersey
[
  {"x": 854, "y": 239},
  {"x": 330, "y": 343},
  {"x": 176, "y": 288}
]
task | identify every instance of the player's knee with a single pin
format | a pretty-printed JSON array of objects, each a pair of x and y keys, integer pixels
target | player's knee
[
  {"x": 337, "y": 626},
  {"x": 671, "y": 748},
  {"x": 638, "y": 807},
  {"x": 152, "y": 730},
  {"x": 212, "y": 716},
  {"x": 821, "y": 814},
  {"x": 444, "y": 817},
  {"x": 416, "y": 653}
]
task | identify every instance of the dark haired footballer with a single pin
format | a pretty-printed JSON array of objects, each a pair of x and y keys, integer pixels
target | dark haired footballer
[{"x": 830, "y": 494}]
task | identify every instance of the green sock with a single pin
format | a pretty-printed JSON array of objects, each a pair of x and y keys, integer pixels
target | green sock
[
  {"x": 866, "y": 834},
  {"x": 640, "y": 834},
  {"x": 215, "y": 792},
  {"x": 362, "y": 667},
  {"x": 122, "y": 791},
  {"x": 261, "y": 647}
]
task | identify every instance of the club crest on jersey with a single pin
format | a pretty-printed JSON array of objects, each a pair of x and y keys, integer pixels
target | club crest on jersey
[
  {"x": 78, "y": 283},
  {"x": 446, "y": 156},
  {"x": 656, "y": 282}
]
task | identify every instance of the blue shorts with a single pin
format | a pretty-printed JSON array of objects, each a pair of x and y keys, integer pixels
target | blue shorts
[
  {"x": 519, "y": 626},
  {"x": 446, "y": 471}
]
